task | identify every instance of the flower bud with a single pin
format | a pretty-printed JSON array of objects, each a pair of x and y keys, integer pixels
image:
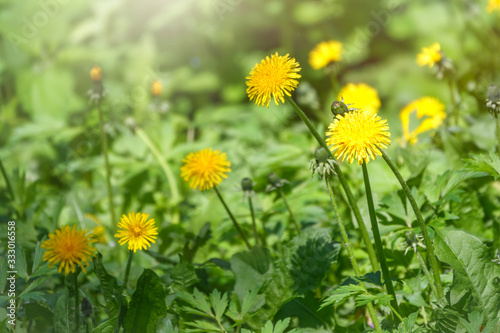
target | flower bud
[
  {"x": 274, "y": 179},
  {"x": 247, "y": 184},
  {"x": 321, "y": 155},
  {"x": 156, "y": 88},
  {"x": 493, "y": 94},
  {"x": 96, "y": 74}
]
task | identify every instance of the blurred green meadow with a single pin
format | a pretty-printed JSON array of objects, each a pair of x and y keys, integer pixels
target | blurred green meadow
[{"x": 53, "y": 171}]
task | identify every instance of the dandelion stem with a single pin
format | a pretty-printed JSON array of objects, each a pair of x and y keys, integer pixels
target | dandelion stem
[
  {"x": 454, "y": 100},
  {"x": 7, "y": 182},
  {"x": 377, "y": 238},
  {"x": 77, "y": 304},
  {"x": 350, "y": 197},
  {"x": 498, "y": 133},
  {"x": 292, "y": 217},
  {"x": 127, "y": 270},
  {"x": 161, "y": 160},
  {"x": 350, "y": 251},
  {"x": 421, "y": 223},
  {"x": 106, "y": 162},
  {"x": 427, "y": 273},
  {"x": 254, "y": 226},
  {"x": 236, "y": 225}
]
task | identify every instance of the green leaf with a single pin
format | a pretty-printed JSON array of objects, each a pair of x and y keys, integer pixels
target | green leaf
[
  {"x": 475, "y": 322},
  {"x": 38, "y": 259},
  {"x": 203, "y": 326},
  {"x": 342, "y": 293},
  {"x": 482, "y": 163},
  {"x": 109, "y": 287},
  {"x": 219, "y": 303},
  {"x": 249, "y": 268},
  {"x": 21, "y": 266},
  {"x": 364, "y": 299},
  {"x": 147, "y": 304},
  {"x": 184, "y": 275},
  {"x": 32, "y": 286},
  {"x": 106, "y": 327},
  {"x": 473, "y": 269},
  {"x": 64, "y": 314}
]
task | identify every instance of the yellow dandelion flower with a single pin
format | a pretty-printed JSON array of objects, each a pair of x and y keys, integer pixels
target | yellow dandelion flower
[
  {"x": 430, "y": 108},
  {"x": 360, "y": 96},
  {"x": 156, "y": 88},
  {"x": 493, "y": 5},
  {"x": 96, "y": 73},
  {"x": 430, "y": 55},
  {"x": 325, "y": 53},
  {"x": 274, "y": 76},
  {"x": 99, "y": 232},
  {"x": 205, "y": 168},
  {"x": 137, "y": 231},
  {"x": 358, "y": 134},
  {"x": 68, "y": 246}
]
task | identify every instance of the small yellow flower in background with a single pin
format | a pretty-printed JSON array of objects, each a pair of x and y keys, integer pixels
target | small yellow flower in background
[
  {"x": 358, "y": 134},
  {"x": 493, "y": 5},
  {"x": 156, "y": 88},
  {"x": 96, "y": 73},
  {"x": 360, "y": 96},
  {"x": 430, "y": 108},
  {"x": 274, "y": 76},
  {"x": 99, "y": 232},
  {"x": 430, "y": 55},
  {"x": 137, "y": 231},
  {"x": 68, "y": 246},
  {"x": 205, "y": 169},
  {"x": 325, "y": 53}
]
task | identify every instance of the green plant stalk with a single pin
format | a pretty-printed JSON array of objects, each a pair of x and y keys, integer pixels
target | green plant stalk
[
  {"x": 427, "y": 273},
  {"x": 174, "y": 192},
  {"x": 454, "y": 100},
  {"x": 127, "y": 270},
  {"x": 255, "y": 233},
  {"x": 396, "y": 313},
  {"x": 421, "y": 223},
  {"x": 350, "y": 251},
  {"x": 106, "y": 163},
  {"x": 377, "y": 238},
  {"x": 350, "y": 197},
  {"x": 77, "y": 304},
  {"x": 292, "y": 217},
  {"x": 7, "y": 182},
  {"x": 235, "y": 223},
  {"x": 497, "y": 121}
]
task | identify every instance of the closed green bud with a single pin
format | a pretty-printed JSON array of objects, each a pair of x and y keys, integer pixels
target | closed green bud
[
  {"x": 321, "y": 155},
  {"x": 274, "y": 179},
  {"x": 246, "y": 184}
]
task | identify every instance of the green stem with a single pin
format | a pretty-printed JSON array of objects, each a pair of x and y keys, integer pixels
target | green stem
[
  {"x": 349, "y": 249},
  {"x": 106, "y": 162},
  {"x": 236, "y": 224},
  {"x": 77, "y": 304},
  {"x": 453, "y": 100},
  {"x": 127, "y": 270},
  {"x": 421, "y": 223},
  {"x": 377, "y": 238},
  {"x": 498, "y": 132},
  {"x": 255, "y": 233},
  {"x": 427, "y": 273},
  {"x": 174, "y": 192},
  {"x": 350, "y": 197},
  {"x": 396, "y": 313},
  {"x": 292, "y": 217},
  {"x": 7, "y": 182}
]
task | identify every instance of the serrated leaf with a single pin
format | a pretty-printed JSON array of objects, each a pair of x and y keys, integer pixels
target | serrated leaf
[
  {"x": 203, "y": 326},
  {"x": 473, "y": 269},
  {"x": 109, "y": 287},
  {"x": 184, "y": 275},
  {"x": 279, "y": 327},
  {"x": 32, "y": 286},
  {"x": 372, "y": 277},
  {"x": 475, "y": 322},
  {"x": 21, "y": 266},
  {"x": 342, "y": 293},
  {"x": 364, "y": 299},
  {"x": 147, "y": 304},
  {"x": 219, "y": 303}
]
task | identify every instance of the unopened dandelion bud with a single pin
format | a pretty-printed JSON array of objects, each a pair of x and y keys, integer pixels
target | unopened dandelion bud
[
  {"x": 274, "y": 180},
  {"x": 156, "y": 88},
  {"x": 246, "y": 184},
  {"x": 321, "y": 155},
  {"x": 96, "y": 73}
]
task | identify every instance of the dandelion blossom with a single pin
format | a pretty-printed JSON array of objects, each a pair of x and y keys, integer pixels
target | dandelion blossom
[
  {"x": 274, "y": 76},
  {"x": 96, "y": 73},
  {"x": 430, "y": 109},
  {"x": 205, "y": 169},
  {"x": 325, "y": 53},
  {"x": 358, "y": 134},
  {"x": 68, "y": 246},
  {"x": 493, "y": 5},
  {"x": 360, "y": 96},
  {"x": 137, "y": 231},
  {"x": 430, "y": 55}
]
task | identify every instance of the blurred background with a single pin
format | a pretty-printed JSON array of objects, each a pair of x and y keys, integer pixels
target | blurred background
[{"x": 201, "y": 51}]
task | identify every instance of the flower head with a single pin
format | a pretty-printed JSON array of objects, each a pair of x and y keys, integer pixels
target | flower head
[
  {"x": 274, "y": 76},
  {"x": 68, "y": 246},
  {"x": 493, "y": 5},
  {"x": 156, "y": 88},
  {"x": 358, "y": 134},
  {"x": 205, "y": 169},
  {"x": 96, "y": 73},
  {"x": 429, "y": 108},
  {"x": 325, "y": 53},
  {"x": 430, "y": 55},
  {"x": 360, "y": 96},
  {"x": 137, "y": 231}
]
